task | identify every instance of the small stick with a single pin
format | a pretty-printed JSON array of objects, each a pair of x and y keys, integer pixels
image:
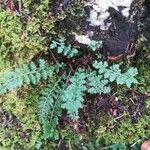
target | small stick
[
  {"x": 53, "y": 56},
  {"x": 135, "y": 143},
  {"x": 71, "y": 67},
  {"x": 20, "y": 6},
  {"x": 119, "y": 117}
]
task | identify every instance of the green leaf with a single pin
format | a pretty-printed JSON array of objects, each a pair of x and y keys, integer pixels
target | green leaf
[
  {"x": 50, "y": 110},
  {"x": 53, "y": 45},
  {"x": 62, "y": 48},
  {"x": 72, "y": 97},
  {"x": 59, "y": 50},
  {"x": 26, "y": 74}
]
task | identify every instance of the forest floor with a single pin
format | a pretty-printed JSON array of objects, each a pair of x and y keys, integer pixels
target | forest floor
[{"x": 70, "y": 101}]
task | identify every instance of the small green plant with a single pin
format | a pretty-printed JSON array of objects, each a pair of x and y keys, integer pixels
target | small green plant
[
  {"x": 60, "y": 46},
  {"x": 113, "y": 73},
  {"x": 50, "y": 109},
  {"x": 29, "y": 74},
  {"x": 95, "y": 45},
  {"x": 94, "y": 82},
  {"x": 72, "y": 96},
  {"x": 55, "y": 98},
  {"x": 19, "y": 40}
]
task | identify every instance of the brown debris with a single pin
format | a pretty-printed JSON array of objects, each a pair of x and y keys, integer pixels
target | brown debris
[
  {"x": 10, "y": 6},
  {"x": 138, "y": 104}
]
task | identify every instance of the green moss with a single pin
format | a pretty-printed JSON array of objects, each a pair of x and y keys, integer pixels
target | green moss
[
  {"x": 15, "y": 41},
  {"x": 24, "y": 107},
  {"x": 122, "y": 131},
  {"x": 144, "y": 73},
  {"x": 141, "y": 60}
]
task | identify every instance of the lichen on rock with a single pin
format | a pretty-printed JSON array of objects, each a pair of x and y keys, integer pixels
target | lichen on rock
[
  {"x": 114, "y": 22},
  {"x": 99, "y": 12}
]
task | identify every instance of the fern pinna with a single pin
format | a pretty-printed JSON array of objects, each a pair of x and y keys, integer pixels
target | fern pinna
[
  {"x": 29, "y": 74},
  {"x": 93, "y": 82},
  {"x": 60, "y": 46},
  {"x": 96, "y": 84}
]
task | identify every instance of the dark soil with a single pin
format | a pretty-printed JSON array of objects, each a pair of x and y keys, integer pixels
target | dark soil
[{"x": 135, "y": 105}]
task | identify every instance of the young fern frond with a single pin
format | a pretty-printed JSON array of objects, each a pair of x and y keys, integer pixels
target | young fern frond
[
  {"x": 29, "y": 74},
  {"x": 50, "y": 109},
  {"x": 55, "y": 98},
  {"x": 72, "y": 96},
  {"x": 113, "y": 73},
  {"x": 62, "y": 48}
]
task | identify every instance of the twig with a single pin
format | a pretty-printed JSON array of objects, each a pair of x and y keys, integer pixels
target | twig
[
  {"x": 59, "y": 143},
  {"x": 147, "y": 94},
  {"x": 20, "y": 6},
  {"x": 131, "y": 100},
  {"x": 71, "y": 67},
  {"x": 135, "y": 143},
  {"x": 119, "y": 117},
  {"x": 69, "y": 143},
  {"x": 53, "y": 56}
]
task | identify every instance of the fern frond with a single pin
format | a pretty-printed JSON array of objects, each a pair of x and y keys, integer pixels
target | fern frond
[
  {"x": 96, "y": 84},
  {"x": 113, "y": 73},
  {"x": 62, "y": 48},
  {"x": 50, "y": 109},
  {"x": 72, "y": 97},
  {"x": 29, "y": 74}
]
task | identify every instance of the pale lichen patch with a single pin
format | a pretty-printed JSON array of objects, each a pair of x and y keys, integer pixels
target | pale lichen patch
[{"x": 99, "y": 12}]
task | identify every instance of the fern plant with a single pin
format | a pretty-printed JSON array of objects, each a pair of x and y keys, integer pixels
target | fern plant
[
  {"x": 94, "y": 82},
  {"x": 113, "y": 73},
  {"x": 62, "y": 48},
  {"x": 72, "y": 96},
  {"x": 50, "y": 109},
  {"x": 29, "y": 74}
]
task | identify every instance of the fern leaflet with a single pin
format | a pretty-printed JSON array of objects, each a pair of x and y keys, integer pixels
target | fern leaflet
[
  {"x": 62, "y": 48},
  {"x": 113, "y": 73},
  {"x": 96, "y": 84}
]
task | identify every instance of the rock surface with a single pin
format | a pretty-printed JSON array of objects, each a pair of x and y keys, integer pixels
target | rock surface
[
  {"x": 114, "y": 22},
  {"x": 100, "y": 11}
]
